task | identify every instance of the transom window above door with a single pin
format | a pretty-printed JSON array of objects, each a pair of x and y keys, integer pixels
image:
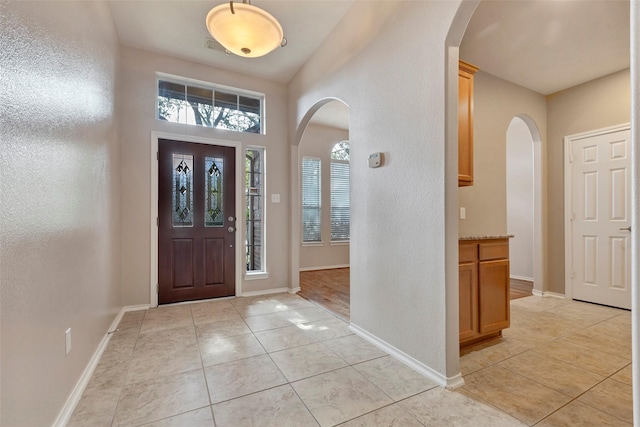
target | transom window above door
[{"x": 197, "y": 103}]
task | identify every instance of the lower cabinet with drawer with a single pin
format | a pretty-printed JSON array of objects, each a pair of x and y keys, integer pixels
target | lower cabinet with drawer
[{"x": 484, "y": 289}]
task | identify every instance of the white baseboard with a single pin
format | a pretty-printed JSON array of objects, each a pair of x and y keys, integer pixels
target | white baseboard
[
  {"x": 528, "y": 279},
  {"x": 294, "y": 290},
  {"x": 455, "y": 382},
  {"x": 76, "y": 394},
  {"x": 449, "y": 383},
  {"x": 326, "y": 267},
  {"x": 538, "y": 293},
  {"x": 265, "y": 292},
  {"x": 128, "y": 308}
]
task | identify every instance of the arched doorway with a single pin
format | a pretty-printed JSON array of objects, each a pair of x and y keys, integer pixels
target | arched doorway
[
  {"x": 524, "y": 200},
  {"x": 539, "y": 184},
  {"x": 320, "y": 205}
]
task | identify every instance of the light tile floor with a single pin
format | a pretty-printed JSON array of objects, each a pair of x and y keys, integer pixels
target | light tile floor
[
  {"x": 280, "y": 360},
  {"x": 561, "y": 363}
]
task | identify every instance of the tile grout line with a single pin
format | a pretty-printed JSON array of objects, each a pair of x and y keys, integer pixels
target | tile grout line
[
  {"x": 204, "y": 373},
  {"x": 487, "y": 403},
  {"x": 324, "y": 341},
  {"x": 124, "y": 381},
  {"x": 288, "y": 382},
  {"x": 348, "y": 365},
  {"x": 498, "y": 364}
]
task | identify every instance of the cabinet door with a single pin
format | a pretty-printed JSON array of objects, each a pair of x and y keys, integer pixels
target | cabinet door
[
  {"x": 468, "y": 295},
  {"x": 493, "y": 293},
  {"x": 465, "y": 128}
]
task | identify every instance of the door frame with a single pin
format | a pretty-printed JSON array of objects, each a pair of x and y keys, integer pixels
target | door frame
[
  {"x": 568, "y": 193},
  {"x": 239, "y": 236}
]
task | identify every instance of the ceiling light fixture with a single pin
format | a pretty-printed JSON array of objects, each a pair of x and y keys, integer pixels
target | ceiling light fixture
[{"x": 244, "y": 29}]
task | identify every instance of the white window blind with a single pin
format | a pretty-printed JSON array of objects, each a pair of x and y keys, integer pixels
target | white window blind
[
  {"x": 311, "y": 199},
  {"x": 340, "y": 216}
]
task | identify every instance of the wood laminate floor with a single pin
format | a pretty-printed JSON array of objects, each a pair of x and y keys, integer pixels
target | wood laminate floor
[
  {"x": 330, "y": 289},
  {"x": 520, "y": 289}
]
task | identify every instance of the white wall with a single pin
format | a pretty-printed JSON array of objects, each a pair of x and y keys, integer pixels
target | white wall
[
  {"x": 600, "y": 103},
  {"x": 60, "y": 211},
  {"x": 593, "y": 105},
  {"x": 496, "y": 103},
  {"x": 520, "y": 198},
  {"x": 398, "y": 289},
  {"x": 318, "y": 141},
  {"x": 138, "y": 93}
]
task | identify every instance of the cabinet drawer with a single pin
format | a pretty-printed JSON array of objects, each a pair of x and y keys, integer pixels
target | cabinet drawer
[
  {"x": 467, "y": 252},
  {"x": 494, "y": 250}
]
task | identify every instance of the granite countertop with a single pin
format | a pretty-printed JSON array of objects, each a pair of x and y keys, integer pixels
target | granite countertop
[{"x": 486, "y": 237}]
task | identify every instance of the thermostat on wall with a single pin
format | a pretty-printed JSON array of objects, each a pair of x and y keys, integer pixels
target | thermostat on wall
[{"x": 375, "y": 160}]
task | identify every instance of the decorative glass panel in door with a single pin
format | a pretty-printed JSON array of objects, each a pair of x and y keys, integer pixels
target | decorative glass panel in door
[
  {"x": 214, "y": 205},
  {"x": 182, "y": 190}
]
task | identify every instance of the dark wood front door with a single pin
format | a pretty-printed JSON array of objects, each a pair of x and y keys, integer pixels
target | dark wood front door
[{"x": 196, "y": 221}]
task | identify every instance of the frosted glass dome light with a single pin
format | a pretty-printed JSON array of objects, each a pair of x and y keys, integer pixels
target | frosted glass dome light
[{"x": 244, "y": 29}]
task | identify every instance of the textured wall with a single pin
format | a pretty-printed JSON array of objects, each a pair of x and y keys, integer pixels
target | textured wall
[
  {"x": 496, "y": 103},
  {"x": 397, "y": 235},
  {"x": 59, "y": 211},
  {"x": 137, "y": 121},
  {"x": 318, "y": 141},
  {"x": 520, "y": 198},
  {"x": 593, "y": 105}
]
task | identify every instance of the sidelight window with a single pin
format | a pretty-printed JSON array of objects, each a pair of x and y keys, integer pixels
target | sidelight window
[{"x": 254, "y": 171}]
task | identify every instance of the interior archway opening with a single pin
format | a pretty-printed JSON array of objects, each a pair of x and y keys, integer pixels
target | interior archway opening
[
  {"x": 322, "y": 170},
  {"x": 520, "y": 206}
]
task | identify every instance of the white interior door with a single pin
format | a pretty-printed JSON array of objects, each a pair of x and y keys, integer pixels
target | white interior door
[{"x": 600, "y": 206}]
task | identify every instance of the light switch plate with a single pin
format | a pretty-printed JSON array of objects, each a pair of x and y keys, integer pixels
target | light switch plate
[{"x": 463, "y": 213}]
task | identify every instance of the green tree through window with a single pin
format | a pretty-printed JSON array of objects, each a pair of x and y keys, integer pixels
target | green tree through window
[{"x": 202, "y": 106}]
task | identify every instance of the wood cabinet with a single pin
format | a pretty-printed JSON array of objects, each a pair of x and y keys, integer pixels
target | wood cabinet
[
  {"x": 484, "y": 289},
  {"x": 465, "y": 123}
]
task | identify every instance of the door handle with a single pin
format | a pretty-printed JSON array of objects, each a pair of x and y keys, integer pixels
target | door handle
[
  {"x": 626, "y": 228},
  {"x": 231, "y": 229}
]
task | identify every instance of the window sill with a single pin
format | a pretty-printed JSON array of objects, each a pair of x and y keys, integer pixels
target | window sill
[
  {"x": 259, "y": 275},
  {"x": 341, "y": 243},
  {"x": 311, "y": 244}
]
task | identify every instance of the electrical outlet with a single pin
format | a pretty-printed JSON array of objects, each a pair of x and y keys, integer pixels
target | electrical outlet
[
  {"x": 67, "y": 341},
  {"x": 275, "y": 198}
]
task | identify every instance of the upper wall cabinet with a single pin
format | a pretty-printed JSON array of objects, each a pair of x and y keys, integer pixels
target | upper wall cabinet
[{"x": 465, "y": 123}]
